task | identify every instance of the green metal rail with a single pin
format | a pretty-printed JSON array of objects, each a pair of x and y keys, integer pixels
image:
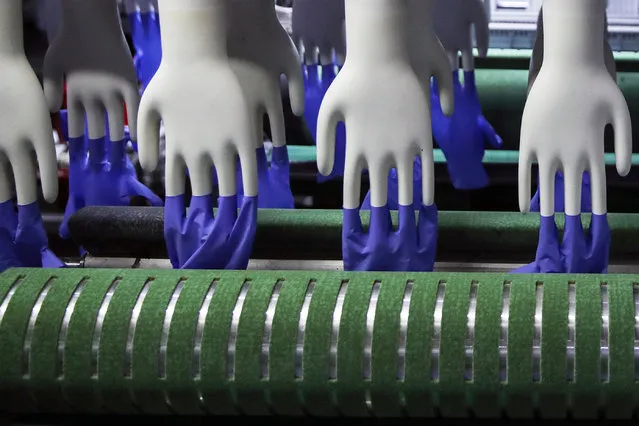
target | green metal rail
[{"x": 325, "y": 344}]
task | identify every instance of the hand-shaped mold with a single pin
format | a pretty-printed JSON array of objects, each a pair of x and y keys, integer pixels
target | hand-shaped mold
[
  {"x": 570, "y": 103},
  {"x": 144, "y": 22},
  {"x": 318, "y": 30},
  {"x": 208, "y": 122},
  {"x": 381, "y": 101},
  {"x": 26, "y": 148}
]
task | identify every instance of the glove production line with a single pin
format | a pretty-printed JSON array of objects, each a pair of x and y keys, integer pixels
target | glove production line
[{"x": 318, "y": 208}]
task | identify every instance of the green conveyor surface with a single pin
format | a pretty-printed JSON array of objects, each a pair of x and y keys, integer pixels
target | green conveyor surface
[{"x": 318, "y": 343}]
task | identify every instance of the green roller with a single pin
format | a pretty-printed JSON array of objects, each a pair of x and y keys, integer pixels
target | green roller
[{"x": 318, "y": 343}]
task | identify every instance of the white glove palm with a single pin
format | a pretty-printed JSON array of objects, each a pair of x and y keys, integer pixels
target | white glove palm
[
  {"x": 569, "y": 105},
  {"x": 25, "y": 124},
  {"x": 318, "y": 27},
  {"x": 91, "y": 53},
  {"x": 196, "y": 94},
  {"x": 382, "y": 103}
]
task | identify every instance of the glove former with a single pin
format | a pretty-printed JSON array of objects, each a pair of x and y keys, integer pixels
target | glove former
[
  {"x": 586, "y": 200},
  {"x": 274, "y": 186}
]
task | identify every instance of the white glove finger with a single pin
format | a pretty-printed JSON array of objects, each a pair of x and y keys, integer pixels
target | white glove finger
[
  {"x": 524, "y": 180},
  {"x": 25, "y": 175},
  {"x": 442, "y": 71},
  {"x": 132, "y": 101},
  {"x": 75, "y": 117},
  {"x": 95, "y": 114},
  {"x": 330, "y": 114},
  {"x": 226, "y": 171},
  {"x": 6, "y": 179},
  {"x": 175, "y": 174},
  {"x": 311, "y": 54},
  {"x": 573, "y": 181},
  {"x": 42, "y": 142},
  {"x": 325, "y": 55},
  {"x": 480, "y": 24},
  {"x": 200, "y": 173},
  {"x": 353, "y": 180},
  {"x": 597, "y": 170},
  {"x": 295, "y": 78},
  {"x": 405, "y": 165},
  {"x": 53, "y": 78},
  {"x": 547, "y": 175},
  {"x": 248, "y": 162},
  {"x": 115, "y": 113},
  {"x": 622, "y": 125},
  {"x": 275, "y": 111},
  {"x": 378, "y": 172},
  {"x": 149, "y": 119},
  {"x": 428, "y": 172}
]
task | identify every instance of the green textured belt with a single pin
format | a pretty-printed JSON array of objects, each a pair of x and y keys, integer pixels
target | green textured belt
[{"x": 326, "y": 344}]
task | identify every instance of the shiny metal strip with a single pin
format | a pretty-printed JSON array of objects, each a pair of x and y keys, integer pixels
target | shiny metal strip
[
  {"x": 604, "y": 350},
  {"x": 370, "y": 330},
  {"x": 166, "y": 329},
  {"x": 335, "y": 326},
  {"x": 269, "y": 316},
  {"x": 469, "y": 346},
  {"x": 64, "y": 327},
  {"x": 301, "y": 330},
  {"x": 235, "y": 324},
  {"x": 537, "y": 333},
  {"x": 504, "y": 319},
  {"x": 33, "y": 318},
  {"x": 572, "y": 336},
  {"x": 99, "y": 324},
  {"x": 7, "y": 299},
  {"x": 436, "y": 337},
  {"x": 196, "y": 366},
  {"x": 133, "y": 324}
]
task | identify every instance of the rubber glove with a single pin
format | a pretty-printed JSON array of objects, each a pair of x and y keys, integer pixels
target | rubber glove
[
  {"x": 462, "y": 137},
  {"x": 145, "y": 31},
  {"x": 25, "y": 128},
  {"x": 8, "y": 226},
  {"x": 393, "y": 189},
  {"x": 586, "y": 202},
  {"x": 317, "y": 80},
  {"x": 563, "y": 126},
  {"x": 274, "y": 188},
  {"x": 578, "y": 253},
  {"x": 387, "y": 123},
  {"x": 77, "y": 165},
  {"x": 208, "y": 122}
]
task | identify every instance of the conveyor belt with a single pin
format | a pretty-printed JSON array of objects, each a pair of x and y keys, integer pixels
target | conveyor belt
[
  {"x": 475, "y": 237},
  {"x": 318, "y": 343}
]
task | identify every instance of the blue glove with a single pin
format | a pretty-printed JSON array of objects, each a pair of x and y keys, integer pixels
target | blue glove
[
  {"x": 32, "y": 244},
  {"x": 145, "y": 31},
  {"x": 274, "y": 188},
  {"x": 393, "y": 189},
  {"x": 8, "y": 226},
  {"x": 586, "y": 200},
  {"x": 198, "y": 240},
  {"x": 411, "y": 248},
  {"x": 577, "y": 253},
  {"x": 77, "y": 166},
  {"x": 463, "y": 136},
  {"x": 316, "y": 85}
]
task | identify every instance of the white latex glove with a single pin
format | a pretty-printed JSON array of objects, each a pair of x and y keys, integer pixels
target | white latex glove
[
  {"x": 380, "y": 99},
  {"x": 25, "y": 124},
  {"x": 568, "y": 107},
  {"x": 453, "y": 22},
  {"x": 91, "y": 53},
  {"x": 261, "y": 51},
  {"x": 318, "y": 28},
  {"x": 200, "y": 101},
  {"x": 427, "y": 54},
  {"x": 537, "y": 57}
]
